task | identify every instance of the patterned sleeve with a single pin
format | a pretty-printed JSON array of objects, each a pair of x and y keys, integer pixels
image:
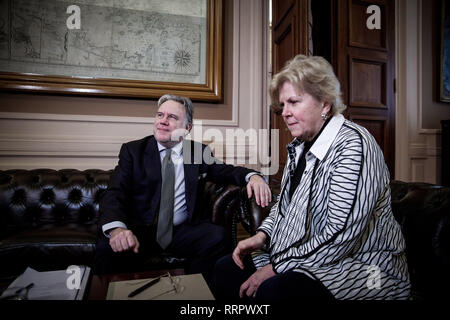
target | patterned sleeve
[
  {"x": 262, "y": 257},
  {"x": 267, "y": 224},
  {"x": 356, "y": 181}
]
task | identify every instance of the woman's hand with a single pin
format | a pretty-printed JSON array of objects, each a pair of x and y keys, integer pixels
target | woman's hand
[
  {"x": 252, "y": 284},
  {"x": 247, "y": 246}
]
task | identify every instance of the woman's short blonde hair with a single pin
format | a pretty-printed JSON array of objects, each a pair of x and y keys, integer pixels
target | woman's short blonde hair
[{"x": 311, "y": 74}]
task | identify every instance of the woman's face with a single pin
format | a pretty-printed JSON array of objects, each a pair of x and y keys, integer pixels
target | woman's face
[{"x": 302, "y": 113}]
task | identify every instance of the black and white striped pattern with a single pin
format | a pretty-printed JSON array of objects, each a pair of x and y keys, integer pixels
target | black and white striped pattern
[
  {"x": 292, "y": 154},
  {"x": 339, "y": 223}
]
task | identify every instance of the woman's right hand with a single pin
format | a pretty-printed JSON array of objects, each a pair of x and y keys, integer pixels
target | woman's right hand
[{"x": 247, "y": 246}]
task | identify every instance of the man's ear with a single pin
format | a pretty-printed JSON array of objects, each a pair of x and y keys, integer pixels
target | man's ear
[{"x": 189, "y": 127}]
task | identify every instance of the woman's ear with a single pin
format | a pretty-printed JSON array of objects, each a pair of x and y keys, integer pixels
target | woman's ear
[{"x": 326, "y": 108}]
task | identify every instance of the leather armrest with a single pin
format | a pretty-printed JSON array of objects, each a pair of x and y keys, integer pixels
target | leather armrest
[
  {"x": 250, "y": 214},
  {"x": 220, "y": 203}
]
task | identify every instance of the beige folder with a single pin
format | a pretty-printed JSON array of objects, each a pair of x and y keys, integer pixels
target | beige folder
[{"x": 184, "y": 287}]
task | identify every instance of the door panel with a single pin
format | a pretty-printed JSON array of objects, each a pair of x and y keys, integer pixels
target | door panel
[
  {"x": 289, "y": 39},
  {"x": 366, "y": 69},
  {"x": 359, "y": 34},
  {"x": 367, "y": 83}
]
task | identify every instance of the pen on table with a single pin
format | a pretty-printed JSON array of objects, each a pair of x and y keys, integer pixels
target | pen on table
[{"x": 144, "y": 287}]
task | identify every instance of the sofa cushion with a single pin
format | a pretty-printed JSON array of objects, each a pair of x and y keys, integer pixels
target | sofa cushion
[
  {"x": 47, "y": 247},
  {"x": 48, "y": 218},
  {"x": 32, "y": 198},
  {"x": 423, "y": 212}
]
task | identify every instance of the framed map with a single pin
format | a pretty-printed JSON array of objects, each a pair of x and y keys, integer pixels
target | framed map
[{"x": 138, "y": 48}]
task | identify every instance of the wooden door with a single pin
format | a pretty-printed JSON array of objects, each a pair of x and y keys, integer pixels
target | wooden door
[
  {"x": 289, "y": 38},
  {"x": 366, "y": 69}
]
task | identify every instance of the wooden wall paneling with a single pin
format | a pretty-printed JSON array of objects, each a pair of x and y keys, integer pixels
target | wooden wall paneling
[
  {"x": 281, "y": 9},
  {"x": 289, "y": 38},
  {"x": 367, "y": 78},
  {"x": 364, "y": 37},
  {"x": 366, "y": 69},
  {"x": 376, "y": 125}
]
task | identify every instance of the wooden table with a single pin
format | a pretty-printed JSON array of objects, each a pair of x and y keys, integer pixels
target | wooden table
[{"x": 98, "y": 287}]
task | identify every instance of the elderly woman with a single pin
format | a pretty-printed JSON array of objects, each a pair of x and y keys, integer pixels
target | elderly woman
[{"x": 331, "y": 233}]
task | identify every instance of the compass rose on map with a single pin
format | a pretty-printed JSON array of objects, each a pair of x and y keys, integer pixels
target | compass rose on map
[{"x": 182, "y": 58}]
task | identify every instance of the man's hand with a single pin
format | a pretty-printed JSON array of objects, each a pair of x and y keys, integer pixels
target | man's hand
[
  {"x": 257, "y": 186},
  {"x": 247, "y": 246},
  {"x": 123, "y": 240},
  {"x": 252, "y": 284}
]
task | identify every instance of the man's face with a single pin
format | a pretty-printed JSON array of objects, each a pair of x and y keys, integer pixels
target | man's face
[{"x": 170, "y": 124}]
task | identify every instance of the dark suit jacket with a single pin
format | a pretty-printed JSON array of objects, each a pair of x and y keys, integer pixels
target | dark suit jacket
[{"x": 134, "y": 191}]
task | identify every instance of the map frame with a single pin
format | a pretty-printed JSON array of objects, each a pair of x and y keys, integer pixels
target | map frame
[
  {"x": 444, "y": 72},
  {"x": 210, "y": 91}
]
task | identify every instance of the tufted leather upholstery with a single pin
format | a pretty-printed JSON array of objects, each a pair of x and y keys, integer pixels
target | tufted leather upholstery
[
  {"x": 423, "y": 211},
  {"x": 48, "y": 218}
]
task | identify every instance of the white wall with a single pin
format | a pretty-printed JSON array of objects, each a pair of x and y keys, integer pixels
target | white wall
[{"x": 417, "y": 148}]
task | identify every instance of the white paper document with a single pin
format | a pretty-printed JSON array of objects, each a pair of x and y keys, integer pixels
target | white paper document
[
  {"x": 50, "y": 285},
  {"x": 183, "y": 287}
]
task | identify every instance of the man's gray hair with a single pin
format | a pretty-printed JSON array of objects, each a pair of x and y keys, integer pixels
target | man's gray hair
[{"x": 186, "y": 102}]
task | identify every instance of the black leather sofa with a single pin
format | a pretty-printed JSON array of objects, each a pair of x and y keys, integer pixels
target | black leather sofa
[
  {"x": 48, "y": 221},
  {"x": 48, "y": 218},
  {"x": 423, "y": 211}
]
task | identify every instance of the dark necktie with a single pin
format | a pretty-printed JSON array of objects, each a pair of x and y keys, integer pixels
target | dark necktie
[
  {"x": 285, "y": 199},
  {"x": 299, "y": 169},
  {"x": 296, "y": 174},
  {"x": 291, "y": 153},
  {"x": 165, "y": 217}
]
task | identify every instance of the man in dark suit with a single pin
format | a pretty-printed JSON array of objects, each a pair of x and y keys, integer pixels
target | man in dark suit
[{"x": 131, "y": 208}]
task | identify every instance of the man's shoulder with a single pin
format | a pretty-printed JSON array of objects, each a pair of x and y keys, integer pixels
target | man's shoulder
[
  {"x": 141, "y": 141},
  {"x": 140, "y": 144}
]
